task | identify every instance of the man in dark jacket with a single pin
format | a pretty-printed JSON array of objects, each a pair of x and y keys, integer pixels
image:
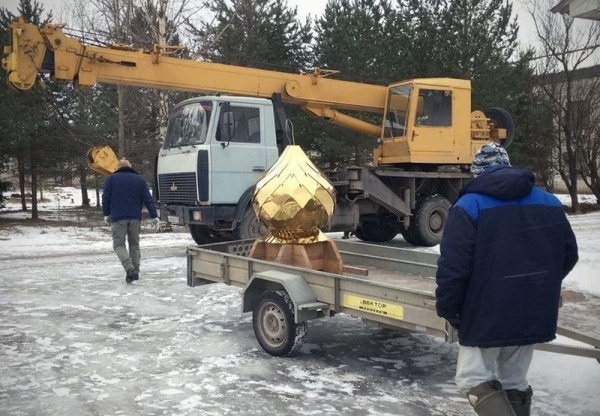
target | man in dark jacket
[
  {"x": 506, "y": 248},
  {"x": 124, "y": 194}
]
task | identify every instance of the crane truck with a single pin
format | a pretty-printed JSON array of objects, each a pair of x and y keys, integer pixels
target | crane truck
[{"x": 218, "y": 145}]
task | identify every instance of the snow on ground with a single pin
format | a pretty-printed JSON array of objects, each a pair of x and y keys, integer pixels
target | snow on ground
[{"x": 76, "y": 340}]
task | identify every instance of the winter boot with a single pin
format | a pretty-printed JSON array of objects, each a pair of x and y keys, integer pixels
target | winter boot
[
  {"x": 488, "y": 399},
  {"x": 129, "y": 276},
  {"x": 136, "y": 273},
  {"x": 520, "y": 401}
]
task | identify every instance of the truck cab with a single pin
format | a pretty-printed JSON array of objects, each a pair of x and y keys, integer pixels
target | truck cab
[{"x": 215, "y": 151}]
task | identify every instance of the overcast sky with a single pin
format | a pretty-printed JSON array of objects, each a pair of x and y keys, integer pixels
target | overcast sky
[
  {"x": 316, "y": 7},
  {"x": 305, "y": 7}
]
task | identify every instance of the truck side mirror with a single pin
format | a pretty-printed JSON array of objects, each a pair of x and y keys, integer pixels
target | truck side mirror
[{"x": 227, "y": 124}]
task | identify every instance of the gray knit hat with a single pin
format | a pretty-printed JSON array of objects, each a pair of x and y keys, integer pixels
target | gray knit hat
[{"x": 489, "y": 155}]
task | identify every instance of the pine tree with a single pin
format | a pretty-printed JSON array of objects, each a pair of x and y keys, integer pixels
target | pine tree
[
  {"x": 256, "y": 33},
  {"x": 24, "y": 121},
  {"x": 263, "y": 34},
  {"x": 353, "y": 37}
]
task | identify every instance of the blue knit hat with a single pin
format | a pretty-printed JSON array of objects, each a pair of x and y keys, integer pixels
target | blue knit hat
[{"x": 489, "y": 155}]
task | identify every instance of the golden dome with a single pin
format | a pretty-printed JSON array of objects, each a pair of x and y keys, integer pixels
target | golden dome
[{"x": 294, "y": 199}]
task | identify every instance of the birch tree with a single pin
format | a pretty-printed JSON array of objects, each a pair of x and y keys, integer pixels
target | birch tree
[{"x": 162, "y": 17}]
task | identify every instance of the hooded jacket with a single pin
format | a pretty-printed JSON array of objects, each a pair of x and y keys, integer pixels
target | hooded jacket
[
  {"x": 507, "y": 246},
  {"x": 124, "y": 194}
]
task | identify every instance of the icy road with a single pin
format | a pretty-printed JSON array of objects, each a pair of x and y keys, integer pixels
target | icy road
[{"x": 76, "y": 340}]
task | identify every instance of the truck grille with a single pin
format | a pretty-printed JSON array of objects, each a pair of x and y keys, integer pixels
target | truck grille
[{"x": 177, "y": 188}]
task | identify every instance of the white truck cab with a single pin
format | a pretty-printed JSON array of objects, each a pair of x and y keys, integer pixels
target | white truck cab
[{"x": 215, "y": 151}]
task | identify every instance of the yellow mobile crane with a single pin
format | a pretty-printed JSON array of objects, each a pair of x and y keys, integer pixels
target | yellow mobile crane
[{"x": 217, "y": 146}]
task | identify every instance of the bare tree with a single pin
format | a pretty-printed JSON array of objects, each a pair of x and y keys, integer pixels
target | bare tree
[
  {"x": 116, "y": 21},
  {"x": 163, "y": 17},
  {"x": 567, "y": 47},
  {"x": 589, "y": 148},
  {"x": 107, "y": 21}
]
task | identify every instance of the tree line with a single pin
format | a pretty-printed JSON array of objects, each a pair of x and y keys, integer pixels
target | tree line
[{"x": 45, "y": 133}]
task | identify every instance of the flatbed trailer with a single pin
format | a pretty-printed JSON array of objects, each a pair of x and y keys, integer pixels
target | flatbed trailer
[{"x": 385, "y": 286}]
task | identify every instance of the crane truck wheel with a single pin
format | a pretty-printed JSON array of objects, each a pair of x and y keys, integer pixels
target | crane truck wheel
[
  {"x": 411, "y": 237},
  {"x": 429, "y": 220},
  {"x": 250, "y": 227},
  {"x": 274, "y": 326},
  {"x": 503, "y": 119},
  {"x": 376, "y": 232}
]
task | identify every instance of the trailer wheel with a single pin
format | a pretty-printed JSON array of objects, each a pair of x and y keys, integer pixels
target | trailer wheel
[
  {"x": 250, "y": 227},
  {"x": 429, "y": 220},
  {"x": 274, "y": 326},
  {"x": 377, "y": 232}
]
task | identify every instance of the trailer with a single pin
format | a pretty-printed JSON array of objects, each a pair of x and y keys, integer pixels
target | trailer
[{"x": 385, "y": 286}]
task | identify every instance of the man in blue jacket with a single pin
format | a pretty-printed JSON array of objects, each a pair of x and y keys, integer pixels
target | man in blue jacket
[
  {"x": 506, "y": 248},
  {"x": 124, "y": 194}
]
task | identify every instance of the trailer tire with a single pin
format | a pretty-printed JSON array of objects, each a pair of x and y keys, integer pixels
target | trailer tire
[
  {"x": 429, "y": 220},
  {"x": 274, "y": 326},
  {"x": 249, "y": 227},
  {"x": 376, "y": 232}
]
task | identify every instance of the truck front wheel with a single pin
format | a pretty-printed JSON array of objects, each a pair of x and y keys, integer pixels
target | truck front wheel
[
  {"x": 274, "y": 326},
  {"x": 202, "y": 234},
  {"x": 249, "y": 227}
]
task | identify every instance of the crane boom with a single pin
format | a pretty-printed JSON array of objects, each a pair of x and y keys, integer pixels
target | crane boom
[{"x": 50, "y": 50}]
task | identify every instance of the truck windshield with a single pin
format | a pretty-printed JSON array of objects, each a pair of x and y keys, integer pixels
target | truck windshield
[
  {"x": 188, "y": 125},
  {"x": 397, "y": 110}
]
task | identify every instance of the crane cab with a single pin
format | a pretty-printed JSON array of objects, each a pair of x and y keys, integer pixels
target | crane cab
[{"x": 427, "y": 121}]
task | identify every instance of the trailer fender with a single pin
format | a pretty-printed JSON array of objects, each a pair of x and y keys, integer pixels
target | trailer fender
[{"x": 306, "y": 306}]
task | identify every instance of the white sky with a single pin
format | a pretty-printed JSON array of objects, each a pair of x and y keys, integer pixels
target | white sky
[
  {"x": 306, "y": 7},
  {"x": 314, "y": 8}
]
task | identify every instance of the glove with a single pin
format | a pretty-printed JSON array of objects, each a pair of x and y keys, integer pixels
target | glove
[
  {"x": 155, "y": 223},
  {"x": 454, "y": 322},
  {"x": 107, "y": 220}
]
